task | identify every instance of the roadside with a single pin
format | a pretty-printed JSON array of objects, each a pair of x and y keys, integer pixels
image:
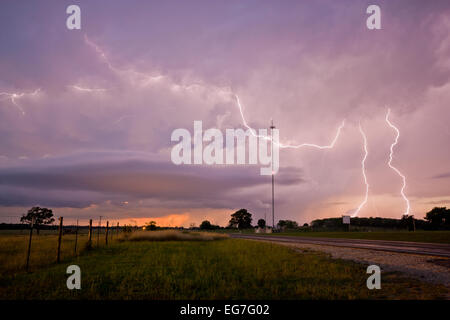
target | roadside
[
  {"x": 427, "y": 268},
  {"x": 209, "y": 270},
  {"x": 442, "y": 237}
]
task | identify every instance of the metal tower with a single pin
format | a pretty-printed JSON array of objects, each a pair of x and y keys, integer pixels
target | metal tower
[{"x": 273, "y": 178}]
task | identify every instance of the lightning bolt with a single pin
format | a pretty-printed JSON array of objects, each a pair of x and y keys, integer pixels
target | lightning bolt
[
  {"x": 100, "y": 52},
  {"x": 146, "y": 79},
  {"x": 14, "y": 96},
  {"x": 363, "y": 166},
  {"x": 85, "y": 89},
  {"x": 290, "y": 146},
  {"x": 391, "y": 156}
]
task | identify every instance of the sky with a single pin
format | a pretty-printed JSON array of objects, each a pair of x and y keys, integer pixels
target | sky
[{"x": 86, "y": 116}]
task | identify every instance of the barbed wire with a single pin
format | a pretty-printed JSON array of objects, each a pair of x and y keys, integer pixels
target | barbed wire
[{"x": 68, "y": 220}]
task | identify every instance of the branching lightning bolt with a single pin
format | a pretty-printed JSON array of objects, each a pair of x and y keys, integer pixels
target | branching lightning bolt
[
  {"x": 152, "y": 78},
  {"x": 391, "y": 156},
  {"x": 145, "y": 79},
  {"x": 148, "y": 78},
  {"x": 330, "y": 146},
  {"x": 99, "y": 51},
  {"x": 363, "y": 166},
  {"x": 290, "y": 146},
  {"x": 14, "y": 96}
]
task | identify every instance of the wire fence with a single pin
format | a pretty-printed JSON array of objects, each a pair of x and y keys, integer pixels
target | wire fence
[
  {"x": 81, "y": 233},
  {"x": 68, "y": 220}
]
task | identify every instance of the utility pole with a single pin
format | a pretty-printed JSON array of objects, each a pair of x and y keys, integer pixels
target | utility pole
[{"x": 273, "y": 178}]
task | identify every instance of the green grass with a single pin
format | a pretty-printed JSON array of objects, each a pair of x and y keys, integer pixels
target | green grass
[
  {"x": 13, "y": 249},
  {"x": 226, "y": 269},
  {"x": 418, "y": 236}
]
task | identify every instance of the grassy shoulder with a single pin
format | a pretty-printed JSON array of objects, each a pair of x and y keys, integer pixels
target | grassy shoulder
[
  {"x": 417, "y": 236},
  {"x": 13, "y": 250},
  {"x": 224, "y": 269}
]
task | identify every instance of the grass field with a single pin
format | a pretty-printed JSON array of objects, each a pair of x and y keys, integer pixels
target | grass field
[
  {"x": 172, "y": 235},
  {"x": 13, "y": 249},
  {"x": 225, "y": 269},
  {"x": 417, "y": 236}
]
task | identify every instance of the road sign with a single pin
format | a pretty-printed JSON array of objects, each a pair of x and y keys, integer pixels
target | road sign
[{"x": 346, "y": 219}]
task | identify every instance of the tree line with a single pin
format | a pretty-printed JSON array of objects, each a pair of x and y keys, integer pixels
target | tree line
[{"x": 436, "y": 219}]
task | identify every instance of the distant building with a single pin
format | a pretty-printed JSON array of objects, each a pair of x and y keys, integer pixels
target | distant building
[{"x": 263, "y": 230}]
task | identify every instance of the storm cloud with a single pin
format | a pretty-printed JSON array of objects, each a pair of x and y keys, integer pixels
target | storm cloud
[{"x": 86, "y": 115}]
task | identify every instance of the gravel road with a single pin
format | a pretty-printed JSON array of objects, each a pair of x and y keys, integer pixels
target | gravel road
[{"x": 427, "y": 268}]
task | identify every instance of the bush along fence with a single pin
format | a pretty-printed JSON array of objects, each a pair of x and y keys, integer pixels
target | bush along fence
[{"x": 110, "y": 233}]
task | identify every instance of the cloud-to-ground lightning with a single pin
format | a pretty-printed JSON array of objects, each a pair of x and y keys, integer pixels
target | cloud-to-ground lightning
[
  {"x": 145, "y": 79},
  {"x": 363, "y": 166},
  {"x": 391, "y": 156},
  {"x": 14, "y": 96},
  {"x": 330, "y": 146},
  {"x": 227, "y": 92}
]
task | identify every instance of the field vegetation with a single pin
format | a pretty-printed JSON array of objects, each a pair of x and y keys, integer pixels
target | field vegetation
[
  {"x": 417, "y": 236},
  {"x": 172, "y": 269}
]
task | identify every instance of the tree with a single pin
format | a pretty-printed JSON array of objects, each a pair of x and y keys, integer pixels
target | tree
[
  {"x": 408, "y": 221},
  {"x": 151, "y": 226},
  {"x": 38, "y": 216},
  {"x": 241, "y": 219},
  {"x": 128, "y": 228},
  {"x": 262, "y": 223},
  {"x": 439, "y": 217},
  {"x": 287, "y": 224},
  {"x": 206, "y": 225}
]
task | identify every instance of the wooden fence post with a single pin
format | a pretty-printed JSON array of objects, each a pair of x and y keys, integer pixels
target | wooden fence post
[
  {"x": 106, "y": 233},
  {"x": 90, "y": 234},
  {"x": 29, "y": 243},
  {"x": 98, "y": 231},
  {"x": 76, "y": 238},
  {"x": 58, "y": 257}
]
